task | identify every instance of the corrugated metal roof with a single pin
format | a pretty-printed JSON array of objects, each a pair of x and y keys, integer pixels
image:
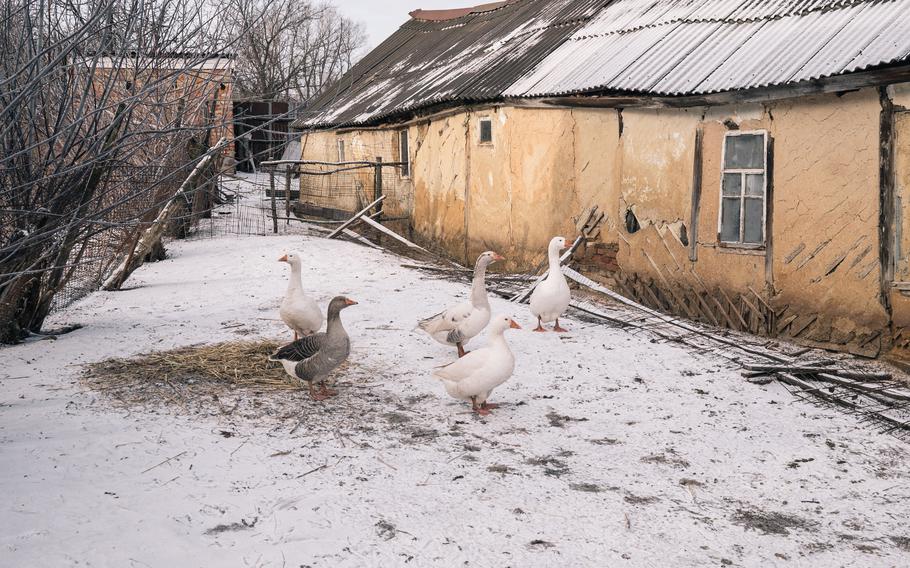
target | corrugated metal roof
[
  {"x": 528, "y": 48},
  {"x": 688, "y": 47},
  {"x": 470, "y": 58}
]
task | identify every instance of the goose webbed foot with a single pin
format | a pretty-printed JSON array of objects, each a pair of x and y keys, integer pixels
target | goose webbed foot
[
  {"x": 559, "y": 329},
  {"x": 539, "y": 326},
  {"x": 318, "y": 396},
  {"x": 481, "y": 409},
  {"x": 327, "y": 392}
]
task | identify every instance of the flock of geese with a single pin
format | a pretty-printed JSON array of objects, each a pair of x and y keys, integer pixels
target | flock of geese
[{"x": 314, "y": 354}]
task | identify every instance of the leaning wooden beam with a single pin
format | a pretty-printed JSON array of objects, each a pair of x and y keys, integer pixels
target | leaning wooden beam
[
  {"x": 386, "y": 231},
  {"x": 587, "y": 282},
  {"x": 892, "y": 393},
  {"x": 136, "y": 255},
  {"x": 357, "y": 216},
  {"x": 361, "y": 239},
  {"x": 522, "y": 296},
  {"x": 816, "y": 369}
]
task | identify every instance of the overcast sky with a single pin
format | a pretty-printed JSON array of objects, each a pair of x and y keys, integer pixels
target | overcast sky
[{"x": 381, "y": 18}]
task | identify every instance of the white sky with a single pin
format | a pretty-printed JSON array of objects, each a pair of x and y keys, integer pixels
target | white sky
[{"x": 382, "y": 17}]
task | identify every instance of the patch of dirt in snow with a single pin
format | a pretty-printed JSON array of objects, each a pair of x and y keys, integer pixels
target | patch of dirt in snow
[{"x": 767, "y": 522}]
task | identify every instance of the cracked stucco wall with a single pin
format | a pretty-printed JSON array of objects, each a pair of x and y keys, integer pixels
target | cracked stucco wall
[
  {"x": 546, "y": 166},
  {"x": 826, "y": 211}
]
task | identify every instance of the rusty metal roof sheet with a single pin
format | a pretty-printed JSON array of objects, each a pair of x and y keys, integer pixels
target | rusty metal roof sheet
[
  {"x": 688, "y": 47},
  {"x": 534, "y": 48},
  {"x": 472, "y": 57}
]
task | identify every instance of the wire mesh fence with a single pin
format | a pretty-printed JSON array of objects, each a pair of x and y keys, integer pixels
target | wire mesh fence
[{"x": 219, "y": 205}]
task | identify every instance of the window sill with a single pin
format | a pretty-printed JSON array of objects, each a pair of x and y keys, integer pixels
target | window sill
[{"x": 730, "y": 248}]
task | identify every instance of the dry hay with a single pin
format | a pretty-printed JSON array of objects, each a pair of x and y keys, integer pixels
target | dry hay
[
  {"x": 175, "y": 376},
  {"x": 233, "y": 379}
]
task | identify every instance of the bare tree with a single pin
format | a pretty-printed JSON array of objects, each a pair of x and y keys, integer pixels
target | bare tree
[
  {"x": 89, "y": 92},
  {"x": 291, "y": 49}
]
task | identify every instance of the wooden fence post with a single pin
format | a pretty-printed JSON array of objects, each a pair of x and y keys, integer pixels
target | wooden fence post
[
  {"x": 377, "y": 186},
  {"x": 274, "y": 205},
  {"x": 287, "y": 195}
]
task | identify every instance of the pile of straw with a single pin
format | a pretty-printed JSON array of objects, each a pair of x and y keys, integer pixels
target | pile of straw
[{"x": 190, "y": 373}]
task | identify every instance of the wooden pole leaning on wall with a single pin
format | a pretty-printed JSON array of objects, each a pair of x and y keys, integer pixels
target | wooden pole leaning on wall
[
  {"x": 274, "y": 205},
  {"x": 287, "y": 195}
]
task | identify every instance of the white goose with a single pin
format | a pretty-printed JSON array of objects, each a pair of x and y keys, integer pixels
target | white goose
[
  {"x": 300, "y": 312},
  {"x": 456, "y": 325},
  {"x": 474, "y": 376},
  {"x": 552, "y": 296}
]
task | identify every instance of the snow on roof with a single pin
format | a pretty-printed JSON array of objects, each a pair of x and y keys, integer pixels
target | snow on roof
[
  {"x": 453, "y": 13},
  {"x": 535, "y": 48},
  {"x": 674, "y": 47}
]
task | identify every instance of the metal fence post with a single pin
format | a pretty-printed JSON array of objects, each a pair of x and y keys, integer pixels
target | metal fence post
[
  {"x": 377, "y": 186},
  {"x": 274, "y": 206}
]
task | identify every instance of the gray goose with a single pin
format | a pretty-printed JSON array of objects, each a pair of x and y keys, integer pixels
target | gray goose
[{"x": 313, "y": 357}]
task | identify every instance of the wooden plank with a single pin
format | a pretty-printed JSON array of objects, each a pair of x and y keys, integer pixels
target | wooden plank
[
  {"x": 696, "y": 196},
  {"x": 886, "y": 205},
  {"x": 386, "y": 231},
  {"x": 353, "y": 219},
  {"x": 769, "y": 213}
]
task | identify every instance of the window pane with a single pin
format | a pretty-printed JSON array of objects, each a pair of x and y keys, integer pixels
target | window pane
[
  {"x": 729, "y": 224},
  {"x": 733, "y": 185},
  {"x": 754, "y": 225},
  {"x": 486, "y": 131},
  {"x": 745, "y": 151},
  {"x": 403, "y": 153},
  {"x": 755, "y": 184}
]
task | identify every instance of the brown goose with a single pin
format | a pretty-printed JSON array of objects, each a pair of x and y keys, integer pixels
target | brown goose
[{"x": 313, "y": 357}]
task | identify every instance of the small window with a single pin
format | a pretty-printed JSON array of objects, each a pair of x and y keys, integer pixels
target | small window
[
  {"x": 486, "y": 131},
  {"x": 340, "y": 144},
  {"x": 743, "y": 188},
  {"x": 404, "y": 155}
]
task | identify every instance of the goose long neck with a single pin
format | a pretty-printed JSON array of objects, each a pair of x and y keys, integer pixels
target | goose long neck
[
  {"x": 553, "y": 255},
  {"x": 333, "y": 326},
  {"x": 479, "y": 286},
  {"x": 294, "y": 282},
  {"x": 498, "y": 340}
]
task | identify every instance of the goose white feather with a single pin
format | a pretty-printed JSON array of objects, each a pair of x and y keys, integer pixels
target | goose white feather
[
  {"x": 300, "y": 312},
  {"x": 456, "y": 325},
  {"x": 474, "y": 376},
  {"x": 552, "y": 296}
]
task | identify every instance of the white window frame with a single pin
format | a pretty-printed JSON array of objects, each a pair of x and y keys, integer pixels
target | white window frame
[
  {"x": 339, "y": 147},
  {"x": 404, "y": 154},
  {"x": 480, "y": 122},
  {"x": 742, "y": 192}
]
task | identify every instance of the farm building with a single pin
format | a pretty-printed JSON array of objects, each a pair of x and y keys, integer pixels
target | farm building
[{"x": 750, "y": 157}]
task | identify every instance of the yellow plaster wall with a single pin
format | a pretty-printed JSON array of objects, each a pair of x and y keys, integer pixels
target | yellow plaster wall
[
  {"x": 347, "y": 191},
  {"x": 547, "y": 165},
  {"x": 826, "y": 211}
]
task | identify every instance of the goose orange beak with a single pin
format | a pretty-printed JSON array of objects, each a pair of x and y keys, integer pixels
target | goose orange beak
[
  {"x": 497, "y": 256},
  {"x": 514, "y": 325},
  {"x": 349, "y": 302},
  {"x": 283, "y": 258}
]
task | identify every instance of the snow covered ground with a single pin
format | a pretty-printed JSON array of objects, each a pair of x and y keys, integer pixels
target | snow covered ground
[{"x": 610, "y": 449}]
